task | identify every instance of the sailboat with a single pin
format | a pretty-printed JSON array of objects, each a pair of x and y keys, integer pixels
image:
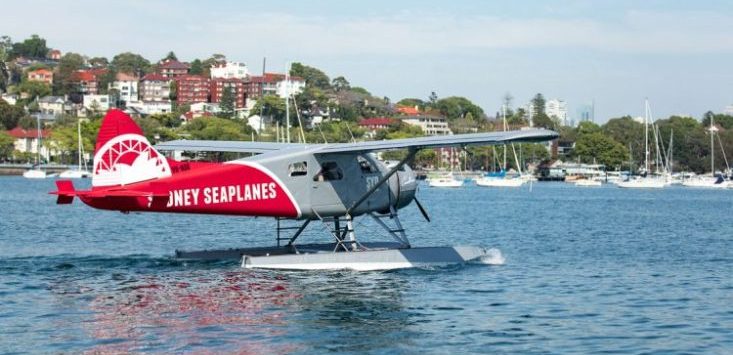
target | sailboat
[
  {"x": 77, "y": 173},
  {"x": 36, "y": 172},
  {"x": 647, "y": 181},
  {"x": 445, "y": 180},
  {"x": 500, "y": 179},
  {"x": 712, "y": 181}
]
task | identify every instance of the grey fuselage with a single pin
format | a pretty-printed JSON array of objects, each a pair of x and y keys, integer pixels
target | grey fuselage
[{"x": 329, "y": 184}]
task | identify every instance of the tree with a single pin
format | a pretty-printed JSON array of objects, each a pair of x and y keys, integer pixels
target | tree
[
  {"x": 433, "y": 98},
  {"x": 68, "y": 64},
  {"x": 131, "y": 63},
  {"x": 33, "y": 47},
  {"x": 226, "y": 105},
  {"x": 99, "y": 62},
  {"x": 197, "y": 67},
  {"x": 214, "y": 128},
  {"x": 270, "y": 106},
  {"x": 596, "y": 147},
  {"x": 312, "y": 76},
  {"x": 340, "y": 83},
  {"x": 412, "y": 102},
  {"x": 35, "y": 89},
  {"x": 454, "y": 107},
  {"x": 9, "y": 115},
  {"x": 7, "y": 145},
  {"x": 169, "y": 56}
]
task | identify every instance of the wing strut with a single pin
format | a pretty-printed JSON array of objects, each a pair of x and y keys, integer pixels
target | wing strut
[{"x": 410, "y": 154}]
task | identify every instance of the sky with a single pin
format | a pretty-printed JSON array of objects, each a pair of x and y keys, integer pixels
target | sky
[{"x": 678, "y": 54}]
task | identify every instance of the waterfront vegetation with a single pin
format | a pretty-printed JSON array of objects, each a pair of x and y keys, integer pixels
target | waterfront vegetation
[{"x": 618, "y": 143}]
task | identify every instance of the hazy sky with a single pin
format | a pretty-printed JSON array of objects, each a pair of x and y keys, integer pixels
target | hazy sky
[{"x": 677, "y": 53}]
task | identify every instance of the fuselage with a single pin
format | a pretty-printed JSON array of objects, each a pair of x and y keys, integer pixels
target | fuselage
[{"x": 298, "y": 183}]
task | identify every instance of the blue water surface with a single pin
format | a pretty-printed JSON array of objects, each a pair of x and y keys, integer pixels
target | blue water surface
[{"x": 586, "y": 270}]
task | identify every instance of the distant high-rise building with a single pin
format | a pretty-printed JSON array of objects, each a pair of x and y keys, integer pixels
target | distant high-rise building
[
  {"x": 586, "y": 112},
  {"x": 556, "y": 108}
]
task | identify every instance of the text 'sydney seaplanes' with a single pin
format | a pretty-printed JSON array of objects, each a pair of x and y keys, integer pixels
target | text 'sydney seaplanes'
[{"x": 294, "y": 183}]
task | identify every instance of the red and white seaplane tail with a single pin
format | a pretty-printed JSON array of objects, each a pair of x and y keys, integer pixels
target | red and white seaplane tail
[{"x": 130, "y": 175}]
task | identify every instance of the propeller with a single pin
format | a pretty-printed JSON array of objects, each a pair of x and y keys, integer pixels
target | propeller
[{"x": 422, "y": 209}]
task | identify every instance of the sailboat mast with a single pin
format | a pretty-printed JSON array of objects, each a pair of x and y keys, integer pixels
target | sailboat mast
[
  {"x": 287, "y": 101},
  {"x": 503, "y": 116},
  {"x": 78, "y": 133},
  {"x": 712, "y": 147},
  {"x": 646, "y": 136}
]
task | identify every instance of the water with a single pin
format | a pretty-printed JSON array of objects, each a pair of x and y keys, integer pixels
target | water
[{"x": 573, "y": 270}]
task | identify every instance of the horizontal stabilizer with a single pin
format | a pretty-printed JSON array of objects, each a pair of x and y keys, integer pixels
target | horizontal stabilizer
[{"x": 65, "y": 192}]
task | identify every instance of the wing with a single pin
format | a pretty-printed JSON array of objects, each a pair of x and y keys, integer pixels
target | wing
[
  {"x": 457, "y": 140},
  {"x": 223, "y": 146}
]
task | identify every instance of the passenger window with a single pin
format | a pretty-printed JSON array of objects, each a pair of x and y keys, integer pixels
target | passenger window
[
  {"x": 298, "y": 169},
  {"x": 329, "y": 171},
  {"x": 365, "y": 165}
]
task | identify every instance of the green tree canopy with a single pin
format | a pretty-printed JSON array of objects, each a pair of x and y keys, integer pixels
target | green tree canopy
[
  {"x": 340, "y": 83},
  {"x": 596, "y": 147},
  {"x": 312, "y": 76},
  {"x": 35, "y": 89},
  {"x": 412, "y": 102},
  {"x": 68, "y": 64},
  {"x": 131, "y": 63},
  {"x": 226, "y": 105},
  {"x": 455, "y": 106},
  {"x": 10, "y": 115},
  {"x": 33, "y": 47},
  {"x": 7, "y": 145},
  {"x": 214, "y": 128},
  {"x": 271, "y": 106}
]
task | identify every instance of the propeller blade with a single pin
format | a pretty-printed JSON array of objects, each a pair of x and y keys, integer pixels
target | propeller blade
[{"x": 422, "y": 210}]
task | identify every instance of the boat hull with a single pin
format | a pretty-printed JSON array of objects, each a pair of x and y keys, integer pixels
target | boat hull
[{"x": 499, "y": 182}]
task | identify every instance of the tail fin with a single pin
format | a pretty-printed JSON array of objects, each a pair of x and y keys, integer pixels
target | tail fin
[
  {"x": 65, "y": 192},
  {"x": 123, "y": 155}
]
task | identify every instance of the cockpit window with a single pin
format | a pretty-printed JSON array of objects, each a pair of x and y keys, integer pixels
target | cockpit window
[
  {"x": 298, "y": 169},
  {"x": 365, "y": 165},
  {"x": 329, "y": 171}
]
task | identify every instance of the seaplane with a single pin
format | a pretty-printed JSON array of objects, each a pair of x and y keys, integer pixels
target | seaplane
[{"x": 296, "y": 184}]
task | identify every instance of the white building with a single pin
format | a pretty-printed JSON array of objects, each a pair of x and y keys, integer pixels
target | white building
[
  {"x": 55, "y": 106},
  {"x": 126, "y": 85},
  {"x": 431, "y": 125},
  {"x": 151, "y": 107},
  {"x": 556, "y": 108},
  {"x": 294, "y": 86},
  {"x": 9, "y": 98},
  {"x": 229, "y": 70},
  {"x": 99, "y": 103}
]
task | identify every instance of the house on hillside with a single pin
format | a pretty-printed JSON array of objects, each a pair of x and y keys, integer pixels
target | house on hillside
[
  {"x": 42, "y": 75},
  {"x": 96, "y": 103},
  {"x": 126, "y": 85},
  {"x": 155, "y": 87},
  {"x": 87, "y": 81},
  {"x": 54, "y": 54},
  {"x": 372, "y": 125},
  {"x": 172, "y": 68},
  {"x": 192, "y": 89},
  {"x": 218, "y": 85},
  {"x": 55, "y": 106},
  {"x": 273, "y": 84},
  {"x": 431, "y": 125},
  {"x": 229, "y": 70},
  {"x": 26, "y": 141}
]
